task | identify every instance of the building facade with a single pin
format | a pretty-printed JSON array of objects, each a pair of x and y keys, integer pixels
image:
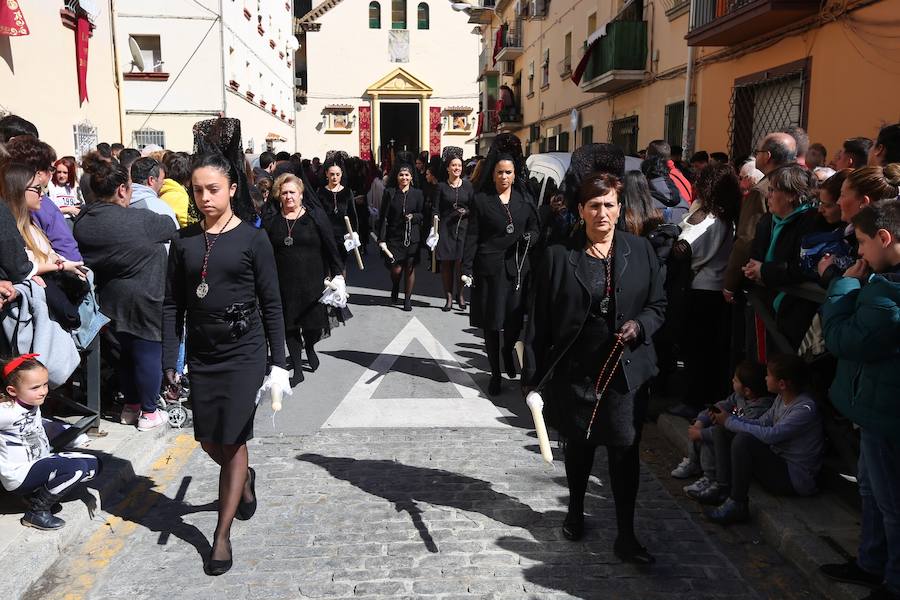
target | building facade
[
  {"x": 39, "y": 74},
  {"x": 385, "y": 75},
  {"x": 203, "y": 59},
  {"x": 707, "y": 74}
]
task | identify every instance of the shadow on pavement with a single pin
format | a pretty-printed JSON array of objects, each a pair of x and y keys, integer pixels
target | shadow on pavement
[{"x": 548, "y": 560}]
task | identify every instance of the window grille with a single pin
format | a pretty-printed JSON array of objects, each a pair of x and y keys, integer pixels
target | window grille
[
  {"x": 624, "y": 133},
  {"x": 86, "y": 138},
  {"x": 144, "y": 137},
  {"x": 765, "y": 104}
]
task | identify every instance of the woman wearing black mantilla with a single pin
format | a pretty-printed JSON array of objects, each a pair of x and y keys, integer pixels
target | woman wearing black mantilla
[
  {"x": 222, "y": 283},
  {"x": 596, "y": 304},
  {"x": 399, "y": 228},
  {"x": 502, "y": 231},
  {"x": 453, "y": 197},
  {"x": 336, "y": 199}
]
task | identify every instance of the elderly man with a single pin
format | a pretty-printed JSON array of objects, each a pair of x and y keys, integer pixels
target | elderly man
[{"x": 147, "y": 177}]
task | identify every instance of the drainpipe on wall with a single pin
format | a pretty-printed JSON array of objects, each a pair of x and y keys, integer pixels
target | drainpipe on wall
[
  {"x": 113, "y": 15},
  {"x": 687, "y": 135},
  {"x": 222, "y": 54}
]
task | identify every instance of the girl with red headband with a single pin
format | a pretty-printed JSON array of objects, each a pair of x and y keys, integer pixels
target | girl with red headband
[{"x": 27, "y": 466}]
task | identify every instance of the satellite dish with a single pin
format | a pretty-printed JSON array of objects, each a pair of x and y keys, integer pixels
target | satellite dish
[{"x": 137, "y": 60}]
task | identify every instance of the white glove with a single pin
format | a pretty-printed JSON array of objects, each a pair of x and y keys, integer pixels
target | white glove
[
  {"x": 335, "y": 293},
  {"x": 351, "y": 241},
  {"x": 467, "y": 280},
  {"x": 384, "y": 248},
  {"x": 276, "y": 384},
  {"x": 432, "y": 240}
]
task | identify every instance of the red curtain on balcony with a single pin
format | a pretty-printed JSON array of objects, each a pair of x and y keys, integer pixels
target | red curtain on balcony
[
  {"x": 12, "y": 21},
  {"x": 498, "y": 43},
  {"x": 578, "y": 73},
  {"x": 365, "y": 133}
]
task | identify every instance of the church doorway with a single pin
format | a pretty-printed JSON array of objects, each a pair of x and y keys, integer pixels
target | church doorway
[{"x": 399, "y": 124}]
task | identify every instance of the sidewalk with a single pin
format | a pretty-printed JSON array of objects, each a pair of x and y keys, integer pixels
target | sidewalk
[
  {"x": 807, "y": 531},
  {"x": 130, "y": 452}
]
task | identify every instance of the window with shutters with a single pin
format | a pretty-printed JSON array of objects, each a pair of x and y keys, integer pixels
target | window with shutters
[
  {"x": 398, "y": 14},
  {"x": 587, "y": 135},
  {"x": 545, "y": 69},
  {"x": 673, "y": 124},
  {"x": 562, "y": 142},
  {"x": 530, "y": 79},
  {"x": 423, "y": 15},
  {"x": 624, "y": 134},
  {"x": 374, "y": 15}
]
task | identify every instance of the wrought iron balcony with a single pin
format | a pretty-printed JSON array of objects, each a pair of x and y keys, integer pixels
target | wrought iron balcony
[
  {"x": 617, "y": 59},
  {"x": 511, "y": 41},
  {"x": 486, "y": 64},
  {"x": 730, "y": 22},
  {"x": 510, "y": 118}
]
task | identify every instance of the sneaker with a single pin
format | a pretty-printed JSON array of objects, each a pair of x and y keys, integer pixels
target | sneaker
[
  {"x": 850, "y": 572},
  {"x": 686, "y": 469},
  {"x": 730, "y": 511},
  {"x": 714, "y": 494},
  {"x": 130, "y": 414},
  {"x": 699, "y": 485},
  {"x": 148, "y": 421}
]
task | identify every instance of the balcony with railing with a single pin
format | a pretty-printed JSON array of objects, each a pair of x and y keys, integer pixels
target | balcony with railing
[
  {"x": 486, "y": 64},
  {"x": 510, "y": 41},
  {"x": 730, "y": 22},
  {"x": 617, "y": 59},
  {"x": 488, "y": 124}
]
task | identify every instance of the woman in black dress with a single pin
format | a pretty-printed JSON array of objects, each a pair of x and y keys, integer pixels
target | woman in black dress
[
  {"x": 502, "y": 230},
  {"x": 453, "y": 198},
  {"x": 305, "y": 254},
  {"x": 601, "y": 293},
  {"x": 399, "y": 230},
  {"x": 222, "y": 281},
  {"x": 336, "y": 199}
]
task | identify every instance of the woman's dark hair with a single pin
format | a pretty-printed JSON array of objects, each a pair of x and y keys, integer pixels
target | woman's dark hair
[
  {"x": 69, "y": 163},
  {"x": 889, "y": 138},
  {"x": 30, "y": 151},
  {"x": 15, "y": 377},
  {"x": 596, "y": 185},
  {"x": 752, "y": 375},
  {"x": 505, "y": 146},
  {"x": 833, "y": 184},
  {"x": 179, "y": 167},
  {"x": 878, "y": 183},
  {"x": 639, "y": 214},
  {"x": 404, "y": 160},
  {"x": 656, "y": 167},
  {"x": 719, "y": 190},
  {"x": 241, "y": 203},
  {"x": 795, "y": 180},
  {"x": 13, "y": 126},
  {"x": 106, "y": 175},
  {"x": 435, "y": 165},
  {"x": 790, "y": 368}
]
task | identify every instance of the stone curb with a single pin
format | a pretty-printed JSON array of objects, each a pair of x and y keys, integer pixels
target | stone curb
[
  {"x": 796, "y": 527},
  {"x": 39, "y": 550}
]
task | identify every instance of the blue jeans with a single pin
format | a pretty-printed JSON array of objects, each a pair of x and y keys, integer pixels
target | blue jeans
[
  {"x": 140, "y": 370},
  {"x": 879, "y": 490}
]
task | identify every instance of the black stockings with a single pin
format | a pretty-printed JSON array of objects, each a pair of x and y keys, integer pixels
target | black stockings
[
  {"x": 450, "y": 272},
  {"x": 492, "y": 346},
  {"x": 624, "y": 478},
  {"x": 297, "y": 341},
  {"x": 408, "y": 270},
  {"x": 234, "y": 485}
]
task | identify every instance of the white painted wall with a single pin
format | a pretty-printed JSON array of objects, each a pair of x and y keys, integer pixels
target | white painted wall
[{"x": 345, "y": 57}]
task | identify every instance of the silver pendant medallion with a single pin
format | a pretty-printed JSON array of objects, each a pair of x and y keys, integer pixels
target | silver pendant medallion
[
  {"x": 202, "y": 289},
  {"x": 288, "y": 241},
  {"x": 510, "y": 228}
]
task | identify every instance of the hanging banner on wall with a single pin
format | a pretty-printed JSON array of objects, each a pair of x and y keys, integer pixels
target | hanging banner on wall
[
  {"x": 82, "y": 36},
  {"x": 365, "y": 132},
  {"x": 434, "y": 130},
  {"x": 12, "y": 21}
]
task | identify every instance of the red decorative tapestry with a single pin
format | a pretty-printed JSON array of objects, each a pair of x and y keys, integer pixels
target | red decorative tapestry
[
  {"x": 12, "y": 21},
  {"x": 82, "y": 37},
  {"x": 365, "y": 132},
  {"x": 434, "y": 131}
]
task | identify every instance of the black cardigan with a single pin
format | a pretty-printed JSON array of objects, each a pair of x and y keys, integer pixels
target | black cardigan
[
  {"x": 562, "y": 300},
  {"x": 14, "y": 263}
]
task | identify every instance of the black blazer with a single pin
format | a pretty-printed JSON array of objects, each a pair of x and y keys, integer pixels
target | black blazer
[
  {"x": 391, "y": 224},
  {"x": 561, "y": 302},
  {"x": 489, "y": 249}
]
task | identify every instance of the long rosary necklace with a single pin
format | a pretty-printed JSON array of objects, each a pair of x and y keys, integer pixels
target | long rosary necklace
[
  {"x": 456, "y": 204},
  {"x": 509, "y": 220},
  {"x": 519, "y": 265},
  {"x": 604, "y": 303},
  {"x": 289, "y": 240},
  {"x": 203, "y": 288},
  {"x": 408, "y": 226},
  {"x": 605, "y": 377},
  {"x": 334, "y": 199}
]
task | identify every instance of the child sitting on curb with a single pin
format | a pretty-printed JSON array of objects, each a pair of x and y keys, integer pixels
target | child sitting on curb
[
  {"x": 749, "y": 398},
  {"x": 782, "y": 449},
  {"x": 27, "y": 466}
]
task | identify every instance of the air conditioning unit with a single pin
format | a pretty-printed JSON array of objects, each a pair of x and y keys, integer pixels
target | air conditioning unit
[{"x": 508, "y": 68}]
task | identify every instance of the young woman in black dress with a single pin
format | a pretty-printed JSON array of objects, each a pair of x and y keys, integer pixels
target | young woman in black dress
[
  {"x": 305, "y": 254},
  {"x": 336, "y": 200},
  {"x": 400, "y": 230},
  {"x": 503, "y": 228},
  {"x": 454, "y": 196},
  {"x": 223, "y": 283}
]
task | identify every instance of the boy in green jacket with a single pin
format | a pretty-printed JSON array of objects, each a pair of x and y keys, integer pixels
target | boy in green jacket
[{"x": 862, "y": 329}]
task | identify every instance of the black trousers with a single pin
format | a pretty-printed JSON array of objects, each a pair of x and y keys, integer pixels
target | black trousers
[{"x": 750, "y": 457}]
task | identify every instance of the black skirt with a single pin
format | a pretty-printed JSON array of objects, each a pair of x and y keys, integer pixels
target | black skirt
[{"x": 496, "y": 303}]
